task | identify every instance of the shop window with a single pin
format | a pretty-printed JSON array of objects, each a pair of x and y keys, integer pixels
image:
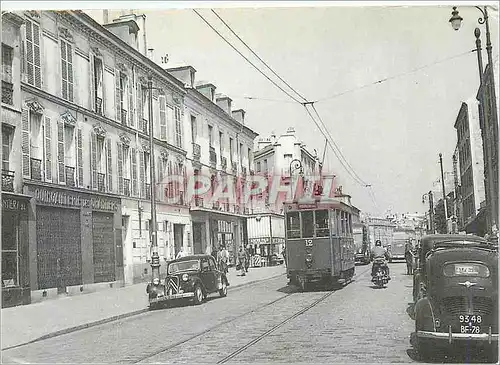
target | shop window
[
  {"x": 307, "y": 224},
  {"x": 322, "y": 223},
  {"x": 10, "y": 240}
]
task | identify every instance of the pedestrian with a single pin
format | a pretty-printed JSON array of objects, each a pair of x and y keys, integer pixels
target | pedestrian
[
  {"x": 241, "y": 261},
  {"x": 409, "y": 259},
  {"x": 180, "y": 254},
  {"x": 247, "y": 258},
  {"x": 283, "y": 253}
]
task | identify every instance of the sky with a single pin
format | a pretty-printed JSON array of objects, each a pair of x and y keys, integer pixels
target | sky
[{"x": 392, "y": 132}]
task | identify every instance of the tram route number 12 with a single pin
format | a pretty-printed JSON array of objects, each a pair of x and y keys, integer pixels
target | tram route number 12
[{"x": 309, "y": 243}]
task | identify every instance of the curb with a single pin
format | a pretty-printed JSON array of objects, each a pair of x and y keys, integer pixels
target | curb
[{"x": 116, "y": 318}]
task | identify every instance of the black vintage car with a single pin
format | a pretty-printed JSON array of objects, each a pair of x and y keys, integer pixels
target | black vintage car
[
  {"x": 193, "y": 277},
  {"x": 455, "y": 293}
]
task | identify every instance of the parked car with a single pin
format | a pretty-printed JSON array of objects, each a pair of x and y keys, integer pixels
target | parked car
[
  {"x": 455, "y": 293},
  {"x": 193, "y": 277}
]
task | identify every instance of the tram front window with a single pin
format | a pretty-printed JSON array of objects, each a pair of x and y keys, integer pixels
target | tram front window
[
  {"x": 322, "y": 223},
  {"x": 293, "y": 225},
  {"x": 307, "y": 224}
]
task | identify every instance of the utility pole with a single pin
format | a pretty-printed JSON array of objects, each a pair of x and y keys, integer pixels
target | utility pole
[
  {"x": 444, "y": 192},
  {"x": 155, "y": 258}
]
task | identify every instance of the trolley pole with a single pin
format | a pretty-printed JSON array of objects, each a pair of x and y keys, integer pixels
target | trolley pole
[
  {"x": 431, "y": 210},
  {"x": 155, "y": 258}
]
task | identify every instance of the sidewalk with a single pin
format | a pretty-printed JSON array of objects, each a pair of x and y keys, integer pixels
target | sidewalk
[{"x": 26, "y": 323}]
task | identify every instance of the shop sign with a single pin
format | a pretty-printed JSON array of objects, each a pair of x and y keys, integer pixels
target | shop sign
[
  {"x": 259, "y": 241},
  {"x": 69, "y": 199},
  {"x": 278, "y": 240},
  {"x": 14, "y": 204}
]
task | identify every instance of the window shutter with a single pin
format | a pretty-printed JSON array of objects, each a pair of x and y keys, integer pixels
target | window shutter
[
  {"x": 93, "y": 160},
  {"x": 60, "y": 151},
  {"x": 163, "y": 118},
  {"x": 25, "y": 141},
  {"x": 92, "y": 82},
  {"x": 142, "y": 178},
  {"x": 36, "y": 55},
  {"x": 138, "y": 107},
  {"x": 130, "y": 113},
  {"x": 48, "y": 149},
  {"x": 119, "y": 148},
  {"x": 69, "y": 59},
  {"x": 117, "y": 96},
  {"x": 79, "y": 157},
  {"x": 110, "y": 165},
  {"x": 134, "y": 171}
]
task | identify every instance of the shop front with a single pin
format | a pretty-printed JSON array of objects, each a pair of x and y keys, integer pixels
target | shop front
[
  {"x": 15, "y": 250},
  {"x": 77, "y": 240}
]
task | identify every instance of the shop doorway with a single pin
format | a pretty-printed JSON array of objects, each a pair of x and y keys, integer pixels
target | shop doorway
[
  {"x": 59, "y": 256},
  {"x": 198, "y": 237},
  {"x": 104, "y": 247},
  {"x": 178, "y": 237}
]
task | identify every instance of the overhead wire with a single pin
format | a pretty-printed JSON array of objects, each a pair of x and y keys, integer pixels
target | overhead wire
[{"x": 242, "y": 55}]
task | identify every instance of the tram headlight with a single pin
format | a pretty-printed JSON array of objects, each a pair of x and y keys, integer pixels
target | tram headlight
[
  {"x": 309, "y": 258},
  {"x": 185, "y": 277}
]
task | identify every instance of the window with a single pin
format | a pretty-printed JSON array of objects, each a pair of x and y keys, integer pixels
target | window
[
  {"x": 241, "y": 154},
  {"x": 193, "y": 128},
  {"x": 204, "y": 265},
  {"x": 98, "y": 84},
  {"x": 69, "y": 146},
  {"x": 210, "y": 137},
  {"x": 7, "y": 93},
  {"x": 307, "y": 224},
  {"x": 36, "y": 135},
  {"x": 67, "y": 70},
  {"x": 147, "y": 176},
  {"x": 249, "y": 159},
  {"x": 33, "y": 58},
  {"x": 7, "y": 53},
  {"x": 6, "y": 148},
  {"x": 10, "y": 242},
  {"x": 221, "y": 142},
  {"x": 264, "y": 166},
  {"x": 126, "y": 162},
  {"x": 165, "y": 226},
  {"x": 178, "y": 127},
  {"x": 230, "y": 149},
  {"x": 322, "y": 223},
  {"x": 293, "y": 225},
  {"x": 163, "y": 117},
  {"x": 334, "y": 223},
  {"x": 258, "y": 166}
]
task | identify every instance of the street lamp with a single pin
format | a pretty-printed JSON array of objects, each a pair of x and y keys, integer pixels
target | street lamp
[
  {"x": 295, "y": 165},
  {"x": 488, "y": 115}
]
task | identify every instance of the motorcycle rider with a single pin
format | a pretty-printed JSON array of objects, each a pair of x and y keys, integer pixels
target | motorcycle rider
[{"x": 380, "y": 253}]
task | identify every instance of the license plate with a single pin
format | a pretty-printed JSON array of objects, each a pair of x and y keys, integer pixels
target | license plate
[
  {"x": 470, "y": 324},
  {"x": 466, "y": 270}
]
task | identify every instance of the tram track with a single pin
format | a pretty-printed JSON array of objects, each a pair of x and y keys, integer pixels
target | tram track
[{"x": 260, "y": 337}]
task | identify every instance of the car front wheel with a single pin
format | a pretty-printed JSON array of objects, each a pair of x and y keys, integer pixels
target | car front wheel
[{"x": 198, "y": 295}]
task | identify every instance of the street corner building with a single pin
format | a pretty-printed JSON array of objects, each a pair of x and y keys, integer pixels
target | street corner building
[{"x": 77, "y": 156}]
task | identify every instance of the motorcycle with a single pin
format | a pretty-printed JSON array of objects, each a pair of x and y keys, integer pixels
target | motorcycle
[{"x": 379, "y": 274}]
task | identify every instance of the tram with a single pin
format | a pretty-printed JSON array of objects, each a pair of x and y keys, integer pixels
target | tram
[{"x": 319, "y": 242}]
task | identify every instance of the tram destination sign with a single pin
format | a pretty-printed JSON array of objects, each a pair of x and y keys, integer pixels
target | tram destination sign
[{"x": 71, "y": 199}]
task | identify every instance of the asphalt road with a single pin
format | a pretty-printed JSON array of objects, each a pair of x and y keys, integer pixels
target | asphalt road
[{"x": 266, "y": 322}]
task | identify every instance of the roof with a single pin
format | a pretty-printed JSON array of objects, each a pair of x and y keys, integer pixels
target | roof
[{"x": 454, "y": 237}]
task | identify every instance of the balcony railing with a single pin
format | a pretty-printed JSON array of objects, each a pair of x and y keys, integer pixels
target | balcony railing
[
  {"x": 234, "y": 167},
  {"x": 126, "y": 187},
  {"x": 198, "y": 202},
  {"x": 148, "y": 191},
  {"x": 101, "y": 179},
  {"x": 252, "y": 172},
  {"x": 196, "y": 151},
  {"x": 223, "y": 163},
  {"x": 145, "y": 126},
  {"x": 98, "y": 106},
  {"x": 7, "y": 93},
  {"x": 225, "y": 206},
  {"x": 70, "y": 176},
  {"x": 216, "y": 205},
  {"x": 7, "y": 180},
  {"x": 213, "y": 157},
  {"x": 36, "y": 169},
  {"x": 247, "y": 211}
]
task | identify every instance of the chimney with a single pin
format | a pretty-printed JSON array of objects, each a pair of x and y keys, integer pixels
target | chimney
[
  {"x": 239, "y": 115},
  {"x": 224, "y": 102},
  {"x": 105, "y": 16},
  {"x": 125, "y": 28},
  {"x": 208, "y": 90},
  {"x": 151, "y": 53},
  {"x": 185, "y": 74}
]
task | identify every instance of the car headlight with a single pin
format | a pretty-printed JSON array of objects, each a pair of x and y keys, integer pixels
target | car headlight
[
  {"x": 156, "y": 281},
  {"x": 185, "y": 277}
]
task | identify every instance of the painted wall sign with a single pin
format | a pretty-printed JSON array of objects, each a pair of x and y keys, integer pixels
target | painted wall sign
[
  {"x": 71, "y": 199},
  {"x": 14, "y": 204}
]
